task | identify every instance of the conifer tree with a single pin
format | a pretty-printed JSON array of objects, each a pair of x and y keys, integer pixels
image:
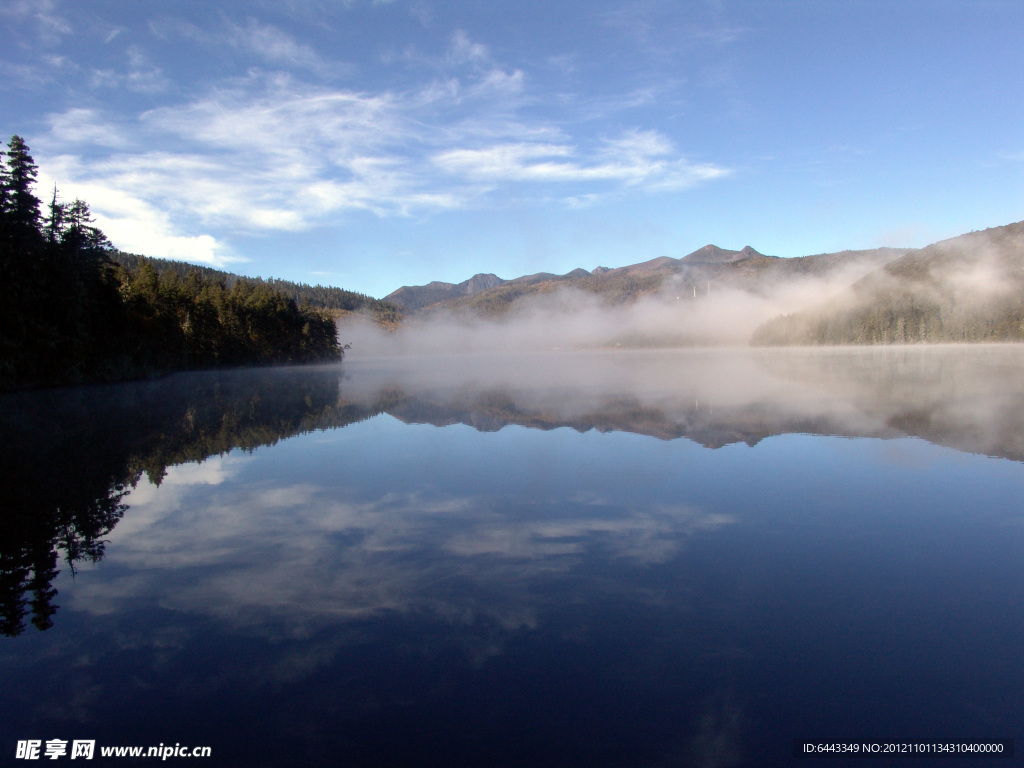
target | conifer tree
[{"x": 20, "y": 205}]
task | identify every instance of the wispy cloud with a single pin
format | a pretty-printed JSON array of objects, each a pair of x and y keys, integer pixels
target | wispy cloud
[
  {"x": 33, "y": 28},
  {"x": 278, "y": 48},
  {"x": 640, "y": 158},
  {"x": 80, "y": 126},
  {"x": 139, "y": 76},
  {"x": 50, "y": 25},
  {"x": 273, "y": 151},
  {"x": 464, "y": 50},
  {"x": 663, "y": 31},
  {"x": 263, "y": 42}
]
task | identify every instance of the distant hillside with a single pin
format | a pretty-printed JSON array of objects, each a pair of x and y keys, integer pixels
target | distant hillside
[
  {"x": 337, "y": 301},
  {"x": 417, "y": 297},
  {"x": 968, "y": 288},
  {"x": 693, "y": 275}
]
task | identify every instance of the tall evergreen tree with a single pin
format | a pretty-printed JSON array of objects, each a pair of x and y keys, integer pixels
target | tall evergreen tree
[
  {"x": 4, "y": 197},
  {"x": 55, "y": 220},
  {"x": 20, "y": 205}
]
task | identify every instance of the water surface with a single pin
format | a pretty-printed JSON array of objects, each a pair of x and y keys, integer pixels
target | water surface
[{"x": 602, "y": 559}]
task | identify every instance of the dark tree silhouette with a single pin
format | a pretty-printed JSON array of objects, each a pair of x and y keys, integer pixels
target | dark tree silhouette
[{"x": 69, "y": 314}]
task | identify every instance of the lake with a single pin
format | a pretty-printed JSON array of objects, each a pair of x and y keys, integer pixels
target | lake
[{"x": 625, "y": 558}]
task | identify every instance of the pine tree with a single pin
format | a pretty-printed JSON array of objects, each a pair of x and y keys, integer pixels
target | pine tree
[
  {"x": 4, "y": 197},
  {"x": 20, "y": 205},
  {"x": 55, "y": 221}
]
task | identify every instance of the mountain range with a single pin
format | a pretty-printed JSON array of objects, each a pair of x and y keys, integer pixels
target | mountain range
[
  {"x": 966, "y": 288},
  {"x": 695, "y": 274}
]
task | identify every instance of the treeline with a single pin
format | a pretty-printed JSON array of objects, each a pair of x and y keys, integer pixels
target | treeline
[
  {"x": 70, "y": 314},
  {"x": 898, "y": 318},
  {"x": 336, "y": 300}
]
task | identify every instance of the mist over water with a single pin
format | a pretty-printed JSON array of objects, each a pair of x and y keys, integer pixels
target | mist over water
[{"x": 967, "y": 396}]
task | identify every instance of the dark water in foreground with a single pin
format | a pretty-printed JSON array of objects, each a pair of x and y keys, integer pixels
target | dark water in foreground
[{"x": 602, "y": 559}]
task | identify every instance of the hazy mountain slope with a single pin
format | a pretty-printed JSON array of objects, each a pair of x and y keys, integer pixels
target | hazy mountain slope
[
  {"x": 697, "y": 274},
  {"x": 967, "y": 288},
  {"x": 414, "y": 297}
]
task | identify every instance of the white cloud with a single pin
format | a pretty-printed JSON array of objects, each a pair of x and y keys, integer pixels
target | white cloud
[
  {"x": 80, "y": 126},
  {"x": 499, "y": 83},
  {"x": 273, "y": 44},
  {"x": 270, "y": 151},
  {"x": 464, "y": 50},
  {"x": 131, "y": 222},
  {"x": 638, "y": 158},
  {"x": 516, "y": 162}
]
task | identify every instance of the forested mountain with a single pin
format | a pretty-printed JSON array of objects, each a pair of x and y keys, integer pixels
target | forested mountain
[
  {"x": 70, "y": 314},
  {"x": 693, "y": 275},
  {"x": 337, "y": 301},
  {"x": 968, "y": 288}
]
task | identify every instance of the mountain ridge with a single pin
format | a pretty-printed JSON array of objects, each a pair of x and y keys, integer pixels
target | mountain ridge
[{"x": 488, "y": 294}]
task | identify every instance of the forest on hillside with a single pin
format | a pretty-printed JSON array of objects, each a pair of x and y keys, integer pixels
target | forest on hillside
[
  {"x": 967, "y": 289},
  {"x": 71, "y": 314},
  {"x": 337, "y": 301}
]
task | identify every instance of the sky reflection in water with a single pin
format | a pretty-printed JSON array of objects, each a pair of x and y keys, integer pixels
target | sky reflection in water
[{"x": 399, "y": 591}]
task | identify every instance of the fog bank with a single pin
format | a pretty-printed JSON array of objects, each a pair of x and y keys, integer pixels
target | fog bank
[{"x": 683, "y": 313}]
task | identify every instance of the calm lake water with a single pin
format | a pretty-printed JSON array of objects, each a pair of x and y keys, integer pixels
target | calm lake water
[{"x": 577, "y": 559}]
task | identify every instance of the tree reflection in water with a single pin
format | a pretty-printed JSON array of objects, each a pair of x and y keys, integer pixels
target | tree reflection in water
[{"x": 71, "y": 455}]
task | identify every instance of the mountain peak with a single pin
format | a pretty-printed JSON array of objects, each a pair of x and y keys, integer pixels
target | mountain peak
[
  {"x": 479, "y": 282},
  {"x": 712, "y": 253}
]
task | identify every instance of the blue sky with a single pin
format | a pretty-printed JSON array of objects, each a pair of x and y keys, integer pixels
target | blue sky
[{"x": 373, "y": 144}]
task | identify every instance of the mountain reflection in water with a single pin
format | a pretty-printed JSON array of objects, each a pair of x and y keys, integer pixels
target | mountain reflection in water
[
  {"x": 968, "y": 398},
  {"x": 78, "y": 451},
  {"x": 385, "y": 592}
]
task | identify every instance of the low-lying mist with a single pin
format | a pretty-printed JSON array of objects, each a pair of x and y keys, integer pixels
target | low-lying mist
[
  {"x": 966, "y": 396},
  {"x": 681, "y": 314},
  {"x": 968, "y": 288}
]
